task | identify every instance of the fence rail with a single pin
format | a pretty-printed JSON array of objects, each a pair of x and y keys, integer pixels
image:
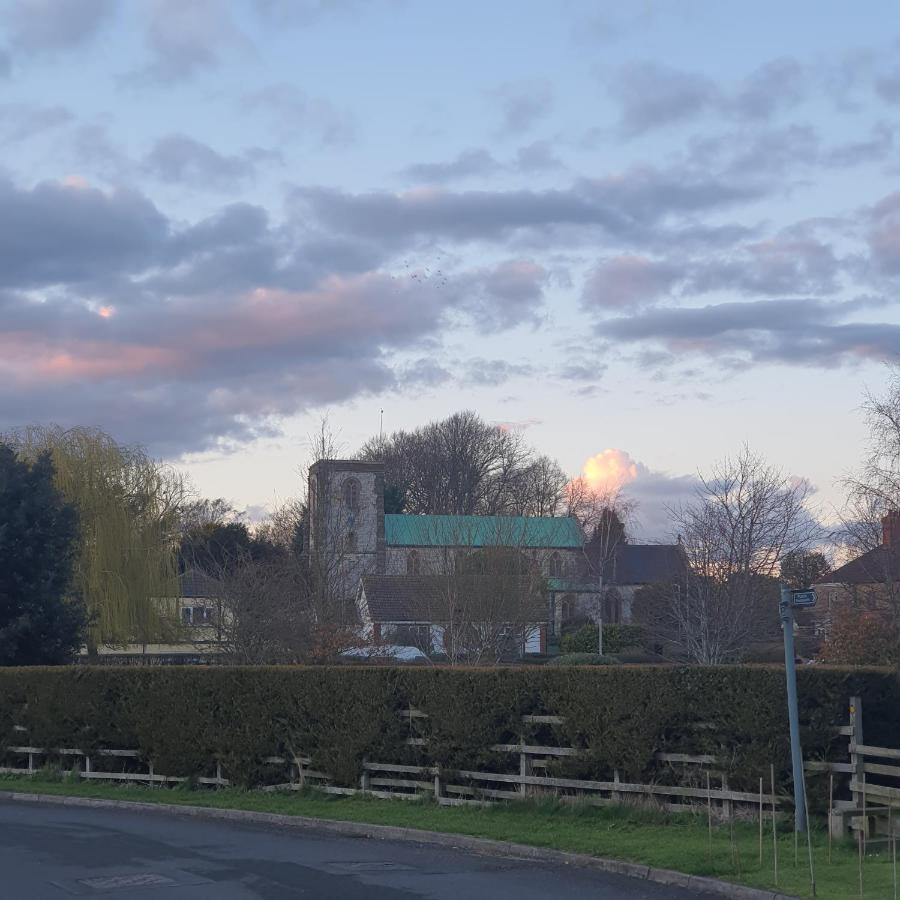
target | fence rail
[{"x": 448, "y": 787}]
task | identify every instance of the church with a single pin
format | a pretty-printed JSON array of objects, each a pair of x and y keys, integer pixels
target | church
[{"x": 391, "y": 566}]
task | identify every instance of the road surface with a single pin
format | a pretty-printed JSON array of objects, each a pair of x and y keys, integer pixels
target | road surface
[{"x": 54, "y": 851}]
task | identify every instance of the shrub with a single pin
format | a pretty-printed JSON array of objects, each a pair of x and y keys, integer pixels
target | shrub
[
  {"x": 616, "y": 638},
  {"x": 861, "y": 638},
  {"x": 186, "y": 719},
  {"x": 582, "y": 659}
]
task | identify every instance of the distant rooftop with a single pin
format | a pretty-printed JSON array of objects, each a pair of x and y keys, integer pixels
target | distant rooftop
[
  {"x": 482, "y": 531},
  {"x": 647, "y": 563}
]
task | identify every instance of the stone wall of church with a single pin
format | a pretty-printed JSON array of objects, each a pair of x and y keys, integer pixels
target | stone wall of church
[{"x": 439, "y": 560}]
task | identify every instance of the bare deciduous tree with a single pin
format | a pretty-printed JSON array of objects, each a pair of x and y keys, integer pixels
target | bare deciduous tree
[
  {"x": 486, "y": 598},
  {"x": 745, "y": 516},
  {"x": 462, "y": 465},
  {"x": 876, "y": 488}
]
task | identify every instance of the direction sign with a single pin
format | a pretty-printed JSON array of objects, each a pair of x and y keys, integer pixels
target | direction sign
[{"x": 803, "y": 598}]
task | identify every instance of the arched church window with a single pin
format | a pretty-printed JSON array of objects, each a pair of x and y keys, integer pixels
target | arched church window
[
  {"x": 555, "y": 565},
  {"x": 412, "y": 563},
  {"x": 350, "y": 542},
  {"x": 351, "y": 494}
]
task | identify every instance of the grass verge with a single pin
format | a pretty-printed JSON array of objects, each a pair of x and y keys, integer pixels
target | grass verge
[{"x": 677, "y": 841}]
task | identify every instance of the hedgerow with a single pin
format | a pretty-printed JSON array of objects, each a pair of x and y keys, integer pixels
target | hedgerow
[
  {"x": 186, "y": 720},
  {"x": 616, "y": 638}
]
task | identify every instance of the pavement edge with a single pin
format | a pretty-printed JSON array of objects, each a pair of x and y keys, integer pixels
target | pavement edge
[{"x": 414, "y": 835}]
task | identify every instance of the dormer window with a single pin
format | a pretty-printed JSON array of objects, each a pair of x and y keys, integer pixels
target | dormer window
[{"x": 351, "y": 494}]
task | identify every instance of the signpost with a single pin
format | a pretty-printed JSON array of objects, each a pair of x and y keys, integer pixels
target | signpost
[{"x": 791, "y": 600}]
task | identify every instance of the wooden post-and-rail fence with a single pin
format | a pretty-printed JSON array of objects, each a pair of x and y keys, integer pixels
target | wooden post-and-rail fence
[
  {"x": 872, "y": 777},
  {"x": 451, "y": 788}
]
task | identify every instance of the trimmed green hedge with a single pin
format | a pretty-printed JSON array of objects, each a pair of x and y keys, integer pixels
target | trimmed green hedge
[
  {"x": 186, "y": 719},
  {"x": 616, "y": 638}
]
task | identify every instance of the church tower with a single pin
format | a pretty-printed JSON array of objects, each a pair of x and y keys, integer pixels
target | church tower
[{"x": 346, "y": 515}]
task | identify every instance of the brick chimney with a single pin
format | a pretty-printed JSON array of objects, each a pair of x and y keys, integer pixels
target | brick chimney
[{"x": 890, "y": 529}]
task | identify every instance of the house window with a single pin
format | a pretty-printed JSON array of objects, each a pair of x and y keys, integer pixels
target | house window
[
  {"x": 555, "y": 566},
  {"x": 196, "y": 615},
  {"x": 350, "y": 542},
  {"x": 413, "y": 563},
  {"x": 351, "y": 494}
]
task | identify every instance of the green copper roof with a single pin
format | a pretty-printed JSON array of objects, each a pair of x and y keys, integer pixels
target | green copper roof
[{"x": 481, "y": 531}]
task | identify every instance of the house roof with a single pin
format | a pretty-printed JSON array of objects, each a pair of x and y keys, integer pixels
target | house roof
[
  {"x": 881, "y": 564},
  {"x": 403, "y": 598},
  {"x": 647, "y": 563},
  {"x": 195, "y": 584},
  {"x": 414, "y": 598},
  {"x": 482, "y": 531}
]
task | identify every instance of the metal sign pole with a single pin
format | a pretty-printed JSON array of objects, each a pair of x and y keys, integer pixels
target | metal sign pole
[{"x": 790, "y": 669}]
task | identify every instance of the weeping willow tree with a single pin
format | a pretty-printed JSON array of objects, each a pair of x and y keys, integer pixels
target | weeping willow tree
[{"x": 127, "y": 504}]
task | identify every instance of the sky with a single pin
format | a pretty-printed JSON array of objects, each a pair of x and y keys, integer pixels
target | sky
[{"x": 643, "y": 234}]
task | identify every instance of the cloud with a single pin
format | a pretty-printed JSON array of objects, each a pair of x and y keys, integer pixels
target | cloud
[
  {"x": 522, "y": 105},
  {"x": 883, "y": 235},
  {"x": 292, "y": 112},
  {"x": 789, "y": 263},
  {"x": 21, "y": 121},
  {"x": 629, "y": 281},
  {"x": 888, "y": 86},
  {"x": 478, "y": 372},
  {"x": 795, "y": 332},
  {"x": 853, "y": 153},
  {"x": 56, "y": 233},
  {"x": 182, "y": 371},
  {"x": 653, "y": 493},
  {"x": 782, "y": 265},
  {"x": 776, "y": 85},
  {"x": 537, "y": 156},
  {"x": 468, "y": 163},
  {"x": 185, "y": 37},
  {"x": 505, "y": 295},
  {"x": 302, "y": 12},
  {"x": 184, "y": 335},
  {"x": 652, "y": 96},
  {"x": 631, "y": 206},
  {"x": 5, "y": 64},
  {"x": 36, "y": 26},
  {"x": 476, "y": 162},
  {"x": 179, "y": 159},
  {"x": 610, "y": 470}
]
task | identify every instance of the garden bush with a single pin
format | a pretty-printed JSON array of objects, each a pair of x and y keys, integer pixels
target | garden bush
[
  {"x": 186, "y": 719},
  {"x": 582, "y": 659},
  {"x": 616, "y": 638}
]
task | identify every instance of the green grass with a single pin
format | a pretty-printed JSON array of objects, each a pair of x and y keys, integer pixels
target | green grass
[{"x": 670, "y": 840}]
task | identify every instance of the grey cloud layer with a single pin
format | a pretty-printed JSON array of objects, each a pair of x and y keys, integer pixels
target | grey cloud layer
[
  {"x": 46, "y": 25},
  {"x": 799, "y": 332},
  {"x": 215, "y": 329}
]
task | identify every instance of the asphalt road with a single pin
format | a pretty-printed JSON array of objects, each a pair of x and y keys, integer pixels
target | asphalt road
[{"x": 50, "y": 851}]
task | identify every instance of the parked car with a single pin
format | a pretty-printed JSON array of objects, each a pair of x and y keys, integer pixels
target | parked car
[{"x": 393, "y": 652}]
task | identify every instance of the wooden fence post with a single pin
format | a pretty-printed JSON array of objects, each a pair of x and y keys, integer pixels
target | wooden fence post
[
  {"x": 524, "y": 769},
  {"x": 727, "y": 805},
  {"x": 858, "y": 761}
]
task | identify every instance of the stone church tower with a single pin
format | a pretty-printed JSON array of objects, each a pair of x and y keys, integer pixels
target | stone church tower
[{"x": 346, "y": 514}]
